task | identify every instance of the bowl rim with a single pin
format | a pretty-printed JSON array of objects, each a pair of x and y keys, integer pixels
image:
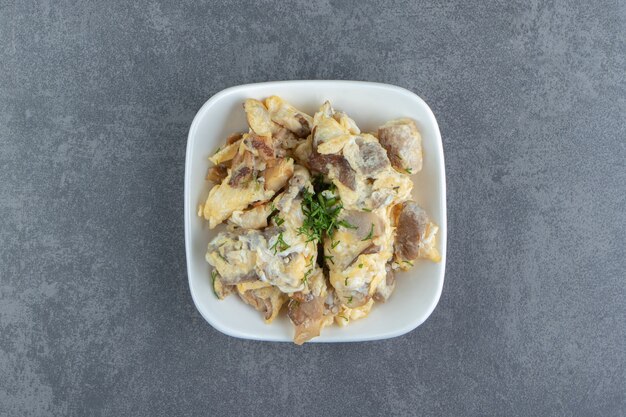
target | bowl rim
[{"x": 443, "y": 227}]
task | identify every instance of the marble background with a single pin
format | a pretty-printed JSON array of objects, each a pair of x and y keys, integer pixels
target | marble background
[{"x": 96, "y": 98}]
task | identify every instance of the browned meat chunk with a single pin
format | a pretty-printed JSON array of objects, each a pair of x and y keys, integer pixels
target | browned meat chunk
[
  {"x": 403, "y": 143},
  {"x": 337, "y": 163},
  {"x": 242, "y": 170},
  {"x": 371, "y": 158},
  {"x": 415, "y": 233},
  {"x": 217, "y": 173},
  {"x": 267, "y": 300},
  {"x": 307, "y": 315}
]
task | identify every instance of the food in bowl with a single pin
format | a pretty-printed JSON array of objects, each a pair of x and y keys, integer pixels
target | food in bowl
[{"x": 317, "y": 216}]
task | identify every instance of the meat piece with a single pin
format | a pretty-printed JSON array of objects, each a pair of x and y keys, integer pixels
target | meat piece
[
  {"x": 242, "y": 169},
  {"x": 277, "y": 175},
  {"x": 288, "y": 116},
  {"x": 386, "y": 286},
  {"x": 366, "y": 156},
  {"x": 262, "y": 146},
  {"x": 415, "y": 234},
  {"x": 307, "y": 317},
  {"x": 403, "y": 143},
  {"x": 233, "y": 138},
  {"x": 217, "y": 173},
  {"x": 336, "y": 166},
  {"x": 286, "y": 139},
  {"x": 267, "y": 300},
  {"x": 221, "y": 291}
]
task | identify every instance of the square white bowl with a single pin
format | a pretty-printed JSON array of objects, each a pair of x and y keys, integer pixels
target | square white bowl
[{"x": 370, "y": 105}]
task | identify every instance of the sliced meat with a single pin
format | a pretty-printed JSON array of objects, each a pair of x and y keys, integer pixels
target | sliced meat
[
  {"x": 242, "y": 169},
  {"x": 267, "y": 300},
  {"x": 415, "y": 233},
  {"x": 233, "y": 138},
  {"x": 366, "y": 156},
  {"x": 217, "y": 173},
  {"x": 262, "y": 145},
  {"x": 307, "y": 317},
  {"x": 335, "y": 165},
  {"x": 286, "y": 139},
  {"x": 221, "y": 291},
  {"x": 403, "y": 143}
]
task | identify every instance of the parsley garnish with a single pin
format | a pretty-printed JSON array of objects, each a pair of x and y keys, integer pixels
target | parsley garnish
[
  {"x": 349, "y": 299},
  {"x": 407, "y": 262},
  {"x": 320, "y": 215},
  {"x": 280, "y": 244},
  {"x": 370, "y": 234},
  {"x": 329, "y": 258},
  {"x": 409, "y": 170},
  {"x": 213, "y": 276},
  {"x": 305, "y": 279},
  {"x": 346, "y": 224},
  {"x": 346, "y": 282},
  {"x": 367, "y": 209},
  {"x": 334, "y": 245},
  {"x": 360, "y": 265},
  {"x": 279, "y": 220}
]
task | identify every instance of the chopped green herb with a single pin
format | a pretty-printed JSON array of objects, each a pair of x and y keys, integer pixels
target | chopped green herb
[
  {"x": 310, "y": 261},
  {"x": 272, "y": 206},
  {"x": 320, "y": 215},
  {"x": 329, "y": 258},
  {"x": 407, "y": 262},
  {"x": 279, "y": 220},
  {"x": 346, "y": 282},
  {"x": 213, "y": 276},
  {"x": 360, "y": 265},
  {"x": 367, "y": 209},
  {"x": 342, "y": 316},
  {"x": 349, "y": 299},
  {"x": 409, "y": 170},
  {"x": 346, "y": 224},
  {"x": 305, "y": 279},
  {"x": 370, "y": 234},
  {"x": 223, "y": 258},
  {"x": 280, "y": 244},
  {"x": 334, "y": 244},
  {"x": 218, "y": 150}
]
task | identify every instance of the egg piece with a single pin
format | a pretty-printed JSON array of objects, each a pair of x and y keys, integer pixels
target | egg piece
[{"x": 286, "y": 115}]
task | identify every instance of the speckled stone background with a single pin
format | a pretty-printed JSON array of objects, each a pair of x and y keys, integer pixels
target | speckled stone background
[{"x": 96, "y": 99}]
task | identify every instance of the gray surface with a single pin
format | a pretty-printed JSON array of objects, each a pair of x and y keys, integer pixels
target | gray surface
[{"x": 95, "y": 313}]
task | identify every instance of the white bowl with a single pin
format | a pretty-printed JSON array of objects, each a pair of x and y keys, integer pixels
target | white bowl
[{"x": 370, "y": 105}]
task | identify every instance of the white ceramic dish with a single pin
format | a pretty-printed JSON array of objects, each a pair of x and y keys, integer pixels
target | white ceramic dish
[{"x": 369, "y": 104}]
